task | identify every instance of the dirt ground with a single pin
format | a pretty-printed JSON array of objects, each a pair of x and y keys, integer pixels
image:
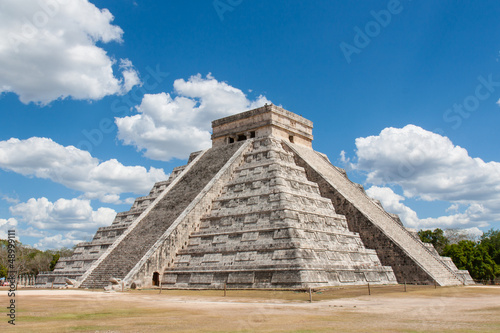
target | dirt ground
[{"x": 387, "y": 309}]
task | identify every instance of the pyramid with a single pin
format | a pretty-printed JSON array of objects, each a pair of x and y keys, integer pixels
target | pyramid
[{"x": 260, "y": 209}]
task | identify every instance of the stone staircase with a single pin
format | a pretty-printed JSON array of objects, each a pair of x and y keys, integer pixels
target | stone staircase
[
  {"x": 378, "y": 217},
  {"x": 271, "y": 228},
  {"x": 87, "y": 253},
  {"x": 124, "y": 255}
]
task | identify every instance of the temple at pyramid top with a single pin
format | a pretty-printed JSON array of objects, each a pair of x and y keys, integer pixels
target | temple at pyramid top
[{"x": 269, "y": 120}]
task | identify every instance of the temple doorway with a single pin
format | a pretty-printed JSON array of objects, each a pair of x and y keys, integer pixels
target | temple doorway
[{"x": 156, "y": 279}]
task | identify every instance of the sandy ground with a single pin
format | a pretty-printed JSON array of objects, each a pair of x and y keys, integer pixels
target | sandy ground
[{"x": 458, "y": 309}]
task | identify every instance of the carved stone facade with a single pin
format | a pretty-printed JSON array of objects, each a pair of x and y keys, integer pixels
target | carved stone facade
[{"x": 260, "y": 209}]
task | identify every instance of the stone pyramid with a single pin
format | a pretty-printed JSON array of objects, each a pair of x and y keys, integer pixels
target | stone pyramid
[
  {"x": 270, "y": 227},
  {"x": 260, "y": 209}
]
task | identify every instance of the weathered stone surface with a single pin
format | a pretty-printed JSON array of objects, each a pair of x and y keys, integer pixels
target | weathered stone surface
[
  {"x": 265, "y": 121},
  {"x": 270, "y": 228},
  {"x": 260, "y": 209}
]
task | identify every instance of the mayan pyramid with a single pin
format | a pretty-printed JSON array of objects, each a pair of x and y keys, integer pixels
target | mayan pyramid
[{"x": 260, "y": 209}]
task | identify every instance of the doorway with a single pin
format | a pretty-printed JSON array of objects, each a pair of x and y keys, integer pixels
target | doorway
[{"x": 156, "y": 279}]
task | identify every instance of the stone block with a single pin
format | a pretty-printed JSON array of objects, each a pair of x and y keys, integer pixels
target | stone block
[
  {"x": 246, "y": 256},
  {"x": 246, "y": 278},
  {"x": 201, "y": 278},
  {"x": 286, "y": 277},
  {"x": 250, "y": 236},
  {"x": 347, "y": 276},
  {"x": 212, "y": 257},
  {"x": 169, "y": 279},
  {"x": 374, "y": 276},
  {"x": 284, "y": 254}
]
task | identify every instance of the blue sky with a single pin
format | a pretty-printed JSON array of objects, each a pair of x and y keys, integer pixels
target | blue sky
[{"x": 101, "y": 99}]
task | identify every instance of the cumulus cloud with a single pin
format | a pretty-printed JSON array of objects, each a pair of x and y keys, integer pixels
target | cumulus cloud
[
  {"x": 76, "y": 169},
  {"x": 57, "y": 241},
  {"x": 48, "y": 51},
  {"x": 70, "y": 215},
  {"x": 53, "y": 239},
  {"x": 169, "y": 127},
  {"x": 474, "y": 215},
  {"x": 427, "y": 165},
  {"x": 430, "y": 167},
  {"x": 6, "y": 225},
  {"x": 62, "y": 223},
  {"x": 392, "y": 203}
]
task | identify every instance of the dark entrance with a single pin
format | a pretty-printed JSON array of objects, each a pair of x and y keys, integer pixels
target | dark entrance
[{"x": 156, "y": 279}]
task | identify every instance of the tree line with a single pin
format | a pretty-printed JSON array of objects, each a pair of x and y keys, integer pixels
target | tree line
[
  {"x": 30, "y": 261},
  {"x": 479, "y": 255}
]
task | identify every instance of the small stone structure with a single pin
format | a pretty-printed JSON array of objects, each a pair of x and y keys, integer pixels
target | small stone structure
[{"x": 260, "y": 209}]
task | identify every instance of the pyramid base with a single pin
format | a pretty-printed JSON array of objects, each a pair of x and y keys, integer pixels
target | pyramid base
[{"x": 273, "y": 278}]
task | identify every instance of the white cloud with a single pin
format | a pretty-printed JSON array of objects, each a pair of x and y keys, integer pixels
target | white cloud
[
  {"x": 169, "y": 127},
  {"x": 62, "y": 223},
  {"x": 453, "y": 208},
  {"x": 76, "y": 169},
  {"x": 346, "y": 161},
  {"x": 58, "y": 241},
  {"x": 474, "y": 216},
  {"x": 48, "y": 51},
  {"x": 130, "y": 75},
  {"x": 392, "y": 203},
  {"x": 10, "y": 200},
  {"x": 64, "y": 214},
  {"x": 32, "y": 232},
  {"x": 50, "y": 239},
  {"x": 129, "y": 201},
  {"x": 427, "y": 165},
  {"x": 430, "y": 167},
  {"x": 6, "y": 225}
]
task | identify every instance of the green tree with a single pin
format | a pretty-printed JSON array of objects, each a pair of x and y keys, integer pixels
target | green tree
[
  {"x": 3, "y": 271},
  {"x": 491, "y": 240},
  {"x": 4, "y": 260},
  {"x": 57, "y": 254},
  {"x": 436, "y": 237},
  {"x": 473, "y": 257},
  {"x": 55, "y": 259}
]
